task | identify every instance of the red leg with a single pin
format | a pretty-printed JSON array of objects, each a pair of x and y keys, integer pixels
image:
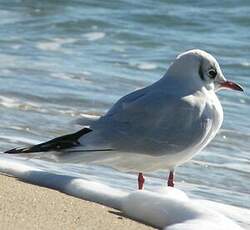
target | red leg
[
  {"x": 140, "y": 181},
  {"x": 171, "y": 179}
]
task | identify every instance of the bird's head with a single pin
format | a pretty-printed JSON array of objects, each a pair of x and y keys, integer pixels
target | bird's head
[{"x": 202, "y": 70}]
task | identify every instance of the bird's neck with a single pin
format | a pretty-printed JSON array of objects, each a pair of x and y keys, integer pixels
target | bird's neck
[{"x": 183, "y": 86}]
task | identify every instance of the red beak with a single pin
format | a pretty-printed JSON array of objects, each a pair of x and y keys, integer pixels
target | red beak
[{"x": 231, "y": 85}]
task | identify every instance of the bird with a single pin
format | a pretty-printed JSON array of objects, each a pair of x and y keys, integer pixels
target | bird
[{"x": 165, "y": 123}]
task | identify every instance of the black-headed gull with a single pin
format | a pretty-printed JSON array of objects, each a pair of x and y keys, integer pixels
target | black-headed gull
[{"x": 175, "y": 117}]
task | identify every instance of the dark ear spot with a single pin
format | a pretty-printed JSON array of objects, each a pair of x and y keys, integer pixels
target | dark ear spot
[{"x": 201, "y": 74}]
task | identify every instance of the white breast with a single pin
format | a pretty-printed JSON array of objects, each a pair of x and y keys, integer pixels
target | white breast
[{"x": 214, "y": 116}]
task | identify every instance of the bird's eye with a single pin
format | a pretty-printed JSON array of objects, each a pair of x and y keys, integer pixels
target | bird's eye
[{"x": 212, "y": 73}]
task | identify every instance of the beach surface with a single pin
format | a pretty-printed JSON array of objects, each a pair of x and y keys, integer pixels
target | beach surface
[{"x": 27, "y": 206}]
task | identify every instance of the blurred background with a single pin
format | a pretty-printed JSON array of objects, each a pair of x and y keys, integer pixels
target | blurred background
[{"x": 61, "y": 59}]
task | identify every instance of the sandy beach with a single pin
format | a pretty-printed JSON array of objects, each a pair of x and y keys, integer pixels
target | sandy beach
[{"x": 26, "y": 206}]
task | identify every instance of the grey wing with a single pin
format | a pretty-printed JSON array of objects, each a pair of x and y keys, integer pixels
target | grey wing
[
  {"x": 138, "y": 109},
  {"x": 149, "y": 121}
]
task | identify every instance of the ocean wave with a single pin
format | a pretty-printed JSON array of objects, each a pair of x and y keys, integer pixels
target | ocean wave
[
  {"x": 143, "y": 65},
  {"x": 147, "y": 66},
  {"x": 55, "y": 44},
  {"x": 18, "y": 139},
  {"x": 245, "y": 64},
  {"x": 21, "y": 105},
  {"x": 72, "y": 76},
  {"x": 93, "y": 36}
]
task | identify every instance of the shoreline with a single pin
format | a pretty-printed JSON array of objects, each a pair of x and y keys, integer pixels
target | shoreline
[{"x": 28, "y": 206}]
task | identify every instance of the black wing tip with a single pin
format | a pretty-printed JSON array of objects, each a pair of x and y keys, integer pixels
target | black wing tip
[
  {"x": 17, "y": 151},
  {"x": 56, "y": 144}
]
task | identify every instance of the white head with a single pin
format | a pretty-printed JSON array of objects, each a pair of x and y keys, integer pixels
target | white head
[{"x": 197, "y": 69}]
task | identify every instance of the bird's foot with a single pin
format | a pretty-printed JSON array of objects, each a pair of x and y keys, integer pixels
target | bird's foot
[
  {"x": 141, "y": 181},
  {"x": 171, "y": 179}
]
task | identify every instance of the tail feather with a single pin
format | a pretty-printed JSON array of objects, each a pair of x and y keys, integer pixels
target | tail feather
[{"x": 56, "y": 144}]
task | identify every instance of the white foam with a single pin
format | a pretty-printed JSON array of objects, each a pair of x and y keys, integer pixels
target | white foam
[
  {"x": 16, "y": 47},
  {"x": 147, "y": 66},
  {"x": 161, "y": 210},
  {"x": 16, "y": 139},
  {"x": 118, "y": 49},
  {"x": 87, "y": 73},
  {"x": 61, "y": 75},
  {"x": 71, "y": 76},
  {"x": 246, "y": 64},
  {"x": 54, "y": 44},
  {"x": 143, "y": 65},
  {"x": 9, "y": 102},
  {"x": 5, "y": 72},
  {"x": 93, "y": 36}
]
